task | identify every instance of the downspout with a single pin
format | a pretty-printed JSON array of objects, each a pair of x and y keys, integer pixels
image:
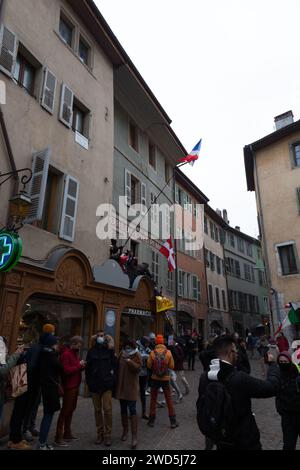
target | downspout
[{"x": 3, "y": 125}]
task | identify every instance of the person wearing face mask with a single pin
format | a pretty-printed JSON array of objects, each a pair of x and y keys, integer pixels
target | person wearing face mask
[
  {"x": 288, "y": 400},
  {"x": 100, "y": 372},
  {"x": 129, "y": 366},
  {"x": 241, "y": 387},
  {"x": 71, "y": 379}
]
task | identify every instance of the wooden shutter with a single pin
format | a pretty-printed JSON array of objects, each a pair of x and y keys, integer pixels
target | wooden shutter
[
  {"x": 40, "y": 168},
  {"x": 8, "y": 50},
  {"x": 69, "y": 210},
  {"x": 49, "y": 90},
  {"x": 66, "y": 105},
  {"x": 128, "y": 187}
]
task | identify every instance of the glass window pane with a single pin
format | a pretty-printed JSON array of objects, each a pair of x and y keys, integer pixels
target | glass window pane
[
  {"x": 65, "y": 32},
  {"x": 83, "y": 52}
]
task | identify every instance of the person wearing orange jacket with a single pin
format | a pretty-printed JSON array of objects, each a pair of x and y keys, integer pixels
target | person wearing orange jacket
[{"x": 159, "y": 362}]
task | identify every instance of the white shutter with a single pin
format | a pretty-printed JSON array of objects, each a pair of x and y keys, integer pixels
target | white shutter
[
  {"x": 49, "y": 90},
  {"x": 8, "y": 50},
  {"x": 40, "y": 168},
  {"x": 66, "y": 105},
  {"x": 69, "y": 210},
  {"x": 128, "y": 187}
]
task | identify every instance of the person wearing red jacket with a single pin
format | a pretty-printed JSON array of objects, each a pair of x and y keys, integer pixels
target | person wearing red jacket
[{"x": 71, "y": 380}]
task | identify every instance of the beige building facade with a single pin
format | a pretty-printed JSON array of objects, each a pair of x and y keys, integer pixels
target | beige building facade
[{"x": 273, "y": 171}]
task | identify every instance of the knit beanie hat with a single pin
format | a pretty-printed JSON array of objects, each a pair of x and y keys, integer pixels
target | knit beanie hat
[
  {"x": 285, "y": 354},
  {"x": 48, "y": 328},
  {"x": 159, "y": 339}
]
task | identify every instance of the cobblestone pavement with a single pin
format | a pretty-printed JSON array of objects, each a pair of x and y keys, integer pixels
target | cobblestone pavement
[{"x": 186, "y": 437}]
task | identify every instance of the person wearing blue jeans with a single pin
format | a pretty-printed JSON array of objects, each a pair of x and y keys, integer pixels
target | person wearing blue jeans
[{"x": 45, "y": 428}]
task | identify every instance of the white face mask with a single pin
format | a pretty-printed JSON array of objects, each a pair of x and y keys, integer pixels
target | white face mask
[
  {"x": 3, "y": 352},
  {"x": 100, "y": 340}
]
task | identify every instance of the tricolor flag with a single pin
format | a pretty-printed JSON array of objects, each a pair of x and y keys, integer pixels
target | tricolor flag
[
  {"x": 292, "y": 318},
  {"x": 168, "y": 251},
  {"x": 193, "y": 155}
]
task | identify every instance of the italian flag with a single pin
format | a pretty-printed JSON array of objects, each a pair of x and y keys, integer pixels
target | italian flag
[{"x": 292, "y": 318}]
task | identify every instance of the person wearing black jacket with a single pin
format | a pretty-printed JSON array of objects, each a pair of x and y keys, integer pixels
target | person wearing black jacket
[
  {"x": 50, "y": 372},
  {"x": 242, "y": 388},
  {"x": 242, "y": 359},
  {"x": 288, "y": 400},
  {"x": 208, "y": 353},
  {"x": 100, "y": 372}
]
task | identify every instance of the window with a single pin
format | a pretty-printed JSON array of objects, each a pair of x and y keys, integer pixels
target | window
[
  {"x": 134, "y": 197},
  {"x": 188, "y": 286},
  {"x": 218, "y": 297},
  {"x": 24, "y": 74},
  {"x": 52, "y": 202},
  {"x": 249, "y": 249},
  {"x": 296, "y": 154},
  {"x": 81, "y": 118},
  {"x": 134, "y": 248},
  {"x": 298, "y": 198},
  {"x": 247, "y": 272},
  {"x": 212, "y": 261},
  {"x": 155, "y": 266},
  {"x": 261, "y": 278},
  {"x": 152, "y": 156},
  {"x": 133, "y": 136},
  {"x": 218, "y": 262},
  {"x": 180, "y": 282},
  {"x": 210, "y": 296},
  {"x": 224, "y": 300},
  {"x": 232, "y": 243},
  {"x": 84, "y": 52},
  {"x": 196, "y": 293},
  {"x": 205, "y": 225},
  {"x": 170, "y": 281},
  {"x": 206, "y": 257},
  {"x": 288, "y": 259},
  {"x": 212, "y": 230},
  {"x": 217, "y": 234},
  {"x": 240, "y": 245},
  {"x": 66, "y": 30},
  {"x": 258, "y": 253},
  {"x": 196, "y": 209},
  {"x": 237, "y": 269},
  {"x": 167, "y": 172}
]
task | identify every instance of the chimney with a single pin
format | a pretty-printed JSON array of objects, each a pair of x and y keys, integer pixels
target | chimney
[
  {"x": 238, "y": 228},
  {"x": 219, "y": 212},
  {"x": 225, "y": 216},
  {"x": 284, "y": 120}
]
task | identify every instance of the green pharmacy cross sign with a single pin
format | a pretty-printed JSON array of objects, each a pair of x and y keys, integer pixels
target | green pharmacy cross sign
[{"x": 10, "y": 250}]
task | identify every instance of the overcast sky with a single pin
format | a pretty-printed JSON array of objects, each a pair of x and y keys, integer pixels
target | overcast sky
[{"x": 222, "y": 70}]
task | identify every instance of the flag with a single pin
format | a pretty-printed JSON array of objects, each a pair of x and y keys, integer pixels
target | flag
[
  {"x": 193, "y": 155},
  {"x": 168, "y": 251},
  {"x": 292, "y": 318}
]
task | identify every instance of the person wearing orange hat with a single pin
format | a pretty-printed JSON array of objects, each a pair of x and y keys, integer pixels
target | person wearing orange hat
[
  {"x": 49, "y": 328},
  {"x": 159, "y": 362}
]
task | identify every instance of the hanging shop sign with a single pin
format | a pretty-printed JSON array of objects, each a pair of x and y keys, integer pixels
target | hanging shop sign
[
  {"x": 10, "y": 250},
  {"x": 163, "y": 304},
  {"x": 138, "y": 312}
]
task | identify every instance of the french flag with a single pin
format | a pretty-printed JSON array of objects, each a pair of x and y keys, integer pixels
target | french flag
[{"x": 193, "y": 155}]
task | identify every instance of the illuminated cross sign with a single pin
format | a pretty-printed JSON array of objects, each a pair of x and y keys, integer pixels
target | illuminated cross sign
[{"x": 10, "y": 250}]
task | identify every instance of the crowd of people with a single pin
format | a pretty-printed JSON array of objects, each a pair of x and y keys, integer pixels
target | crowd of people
[
  {"x": 55, "y": 371},
  {"x": 144, "y": 368}
]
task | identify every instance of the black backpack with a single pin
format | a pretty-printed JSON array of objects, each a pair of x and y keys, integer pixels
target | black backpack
[{"x": 215, "y": 414}]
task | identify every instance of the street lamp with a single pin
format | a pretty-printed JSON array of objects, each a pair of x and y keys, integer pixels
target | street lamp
[{"x": 20, "y": 203}]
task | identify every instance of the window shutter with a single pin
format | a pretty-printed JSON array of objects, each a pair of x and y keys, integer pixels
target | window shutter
[
  {"x": 8, "y": 50},
  {"x": 180, "y": 286},
  {"x": 298, "y": 198},
  {"x": 128, "y": 187},
  {"x": 69, "y": 210},
  {"x": 143, "y": 197},
  {"x": 40, "y": 168},
  {"x": 66, "y": 105},
  {"x": 198, "y": 290},
  {"x": 49, "y": 90}
]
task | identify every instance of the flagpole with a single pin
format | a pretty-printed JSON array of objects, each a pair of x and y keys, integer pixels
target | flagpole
[
  {"x": 175, "y": 250},
  {"x": 155, "y": 199}
]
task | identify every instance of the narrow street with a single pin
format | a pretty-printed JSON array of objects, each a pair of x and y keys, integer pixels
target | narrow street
[{"x": 186, "y": 437}]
